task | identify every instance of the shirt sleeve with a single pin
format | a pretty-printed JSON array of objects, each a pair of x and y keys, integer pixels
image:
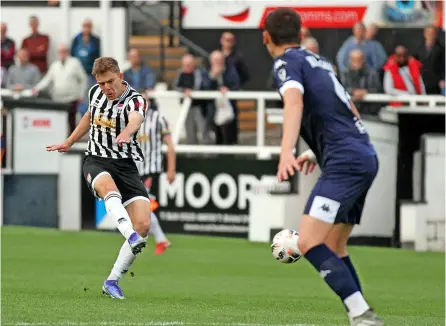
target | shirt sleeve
[
  {"x": 288, "y": 76},
  {"x": 138, "y": 104},
  {"x": 164, "y": 126}
]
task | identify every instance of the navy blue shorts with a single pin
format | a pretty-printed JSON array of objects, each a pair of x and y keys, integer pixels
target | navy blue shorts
[{"x": 339, "y": 195}]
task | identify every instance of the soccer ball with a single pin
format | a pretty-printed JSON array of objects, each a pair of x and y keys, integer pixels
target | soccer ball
[{"x": 284, "y": 246}]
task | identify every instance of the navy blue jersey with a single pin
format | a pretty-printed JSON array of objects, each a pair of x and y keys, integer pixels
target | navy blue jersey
[{"x": 329, "y": 126}]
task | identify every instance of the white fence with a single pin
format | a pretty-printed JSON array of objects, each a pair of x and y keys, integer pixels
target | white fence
[{"x": 170, "y": 101}]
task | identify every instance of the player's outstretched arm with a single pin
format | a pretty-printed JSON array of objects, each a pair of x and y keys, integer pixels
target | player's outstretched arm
[
  {"x": 135, "y": 121},
  {"x": 80, "y": 131},
  {"x": 292, "y": 118}
]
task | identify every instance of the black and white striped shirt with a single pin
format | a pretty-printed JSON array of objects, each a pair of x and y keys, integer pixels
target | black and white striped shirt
[
  {"x": 109, "y": 118},
  {"x": 151, "y": 134}
]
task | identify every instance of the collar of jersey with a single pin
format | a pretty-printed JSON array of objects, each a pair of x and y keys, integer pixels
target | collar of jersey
[
  {"x": 292, "y": 48},
  {"x": 127, "y": 90}
]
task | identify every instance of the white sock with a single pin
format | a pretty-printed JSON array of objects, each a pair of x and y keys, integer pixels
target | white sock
[
  {"x": 356, "y": 304},
  {"x": 123, "y": 262},
  {"x": 155, "y": 229},
  {"x": 113, "y": 204}
]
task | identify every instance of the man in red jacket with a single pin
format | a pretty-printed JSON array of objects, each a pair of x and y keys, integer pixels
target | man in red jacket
[
  {"x": 402, "y": 74},
  {"x": 37, "y": 45}
]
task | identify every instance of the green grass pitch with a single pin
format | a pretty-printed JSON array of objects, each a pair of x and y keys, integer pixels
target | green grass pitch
[{"x": 55, "y": 278}]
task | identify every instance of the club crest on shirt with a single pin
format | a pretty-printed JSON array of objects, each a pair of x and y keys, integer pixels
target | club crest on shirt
[{"x": 282, "y": 74}]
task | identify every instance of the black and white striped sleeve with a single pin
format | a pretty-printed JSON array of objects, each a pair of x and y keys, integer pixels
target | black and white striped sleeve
[
  {"x": 138, "y": 104},
  {"x": 91, "y": 93}
]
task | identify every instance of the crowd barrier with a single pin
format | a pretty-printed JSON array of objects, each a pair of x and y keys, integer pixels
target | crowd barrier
[{"x": 266, "y": 211}]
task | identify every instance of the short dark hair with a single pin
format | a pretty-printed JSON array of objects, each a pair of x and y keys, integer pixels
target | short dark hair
[{"x": 283, "y": 25}]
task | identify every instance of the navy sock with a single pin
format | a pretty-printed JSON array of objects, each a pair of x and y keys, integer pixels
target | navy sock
[
  {"x": 351, "y": 268},
  {"x": 333, "y": 270}
]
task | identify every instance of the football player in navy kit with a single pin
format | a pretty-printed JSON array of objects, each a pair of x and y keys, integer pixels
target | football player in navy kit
[{"x": 317, "y": 107}]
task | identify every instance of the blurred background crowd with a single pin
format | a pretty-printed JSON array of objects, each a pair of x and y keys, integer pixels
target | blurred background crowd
[{"x": 362, "y": 63}]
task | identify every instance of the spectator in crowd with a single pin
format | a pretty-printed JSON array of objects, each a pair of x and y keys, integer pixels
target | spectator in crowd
[
  {"x": 3, "y": 77},
  {"x": 22, "y": 75},
  {"x": 431, "y": 54},
  {"x": 442, "y": 87},
  {"x": 37, "y": 45},
  {"x": 8, "y": 48},
  {"x": 371, "y": 32},
  {"x": 311, "y": 44},
  {"x": 233, "y": 57},
  {"x": 87, "y": 48},
  {"x": 224, "y": 78},
  {"x": 68, "y": 81},
  {"x": 374, "y": 52},
  {"x": 140, "y": 76},
  {"x": 189, "y": 78},
  {"x": 304, "y": 34},
  {"x": 359, "y": 80},
  {"x": 402, "y": 74}
]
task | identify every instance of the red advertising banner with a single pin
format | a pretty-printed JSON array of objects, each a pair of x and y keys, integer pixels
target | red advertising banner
[
  {"x": 236, "y": 14},
  {"x": 325, "y": 17}
]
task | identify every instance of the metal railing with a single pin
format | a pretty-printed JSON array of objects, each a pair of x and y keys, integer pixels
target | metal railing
[
  {"x": 428, "y": 104},
  {"x": 422, "y": 104},
  {"x": 172, "y": 32}
]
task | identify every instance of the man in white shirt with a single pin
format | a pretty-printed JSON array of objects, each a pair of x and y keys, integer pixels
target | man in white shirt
[{"x": 68, "y": 81}]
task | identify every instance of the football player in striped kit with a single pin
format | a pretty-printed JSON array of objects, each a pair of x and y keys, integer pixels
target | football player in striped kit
[
  {"x": 153, "y": 133},
  {"x": 115, "y": 114}
]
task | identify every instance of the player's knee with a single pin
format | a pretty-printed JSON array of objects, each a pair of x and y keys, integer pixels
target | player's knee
[
  {"x": 142, "y": 226},
  {"x": 105, "y": 188}
]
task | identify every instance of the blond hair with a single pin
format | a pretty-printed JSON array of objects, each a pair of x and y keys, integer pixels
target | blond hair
[{"x": 105, "y": 64}]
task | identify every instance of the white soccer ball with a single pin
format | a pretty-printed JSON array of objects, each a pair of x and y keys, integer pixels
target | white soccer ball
[{"x": 284, "y": 246}]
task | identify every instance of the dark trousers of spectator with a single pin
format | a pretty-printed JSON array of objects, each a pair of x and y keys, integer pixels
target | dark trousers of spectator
[
  {"x": 72, "y": 116},
  {"x": 227, "y": 134}
]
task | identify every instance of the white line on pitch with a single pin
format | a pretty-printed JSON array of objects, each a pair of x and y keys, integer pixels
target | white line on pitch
[{"x": 149, "y": 323}]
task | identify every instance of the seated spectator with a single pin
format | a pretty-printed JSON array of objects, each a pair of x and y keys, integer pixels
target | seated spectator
[
  {"x": 431, "y": 54},
  {"x": 311, "y": 44},
  {"x": 442, "y": 87},
  {"x": 233, "y": 57},
  {"x": 402, "y": 74},
  {"x": 68, "y": 81},
  {"x": 224, "y": 78},
  {"x": 189, "y": 78},
  {"x": 140, "y": 76},
  {"x": 23, "y": 75},
  {"x": 374, "y": 52},
  {"x": 359, "y": 80},
  {"x": 37, "y": 45},
  {"x": 8, "y": 48}
]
